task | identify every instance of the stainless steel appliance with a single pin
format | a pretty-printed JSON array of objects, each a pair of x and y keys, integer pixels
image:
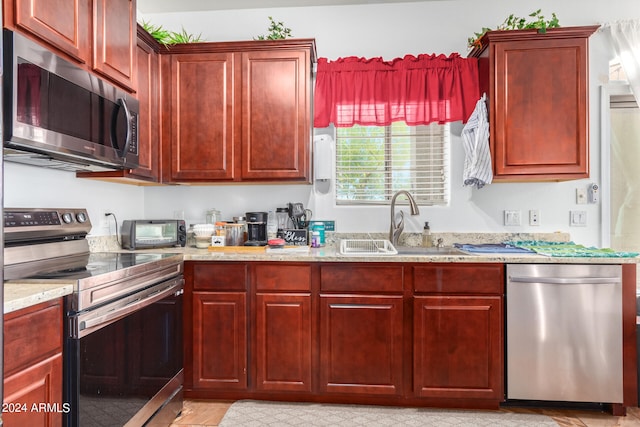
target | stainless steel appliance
[
  {"x": 55, "y": 114},
  {"x": 153, "y": 233},
  {"x": 256, "y": 229},
  {"x": 564, "y": 332},
  {"x": 123, "y": 327}
]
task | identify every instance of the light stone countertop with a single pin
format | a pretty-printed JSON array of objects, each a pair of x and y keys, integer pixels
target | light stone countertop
[
  {"x": 21, "y": 294},
  {"x": 25, "y": 293}
]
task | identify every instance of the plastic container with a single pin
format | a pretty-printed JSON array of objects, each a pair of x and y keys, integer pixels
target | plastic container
[
  {"x": 427, "y": 242},
  {"x": 272, "y": 225},
  {"x": 315, "y": 239},
  {"x": 319, "y": 227}
]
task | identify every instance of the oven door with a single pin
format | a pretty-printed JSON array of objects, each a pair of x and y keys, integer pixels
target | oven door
[{"x": 123, "y": 361}]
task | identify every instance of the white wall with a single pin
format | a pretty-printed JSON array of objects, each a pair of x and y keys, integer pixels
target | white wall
[
  {"x": 33, "y": 187},
  {"x": 381, "y": 30}
]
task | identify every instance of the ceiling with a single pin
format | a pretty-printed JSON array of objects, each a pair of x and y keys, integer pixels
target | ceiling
[{"x": 162, "y": 6}]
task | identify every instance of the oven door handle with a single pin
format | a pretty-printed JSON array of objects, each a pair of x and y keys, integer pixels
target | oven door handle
[{"x": 89, "y": 325}]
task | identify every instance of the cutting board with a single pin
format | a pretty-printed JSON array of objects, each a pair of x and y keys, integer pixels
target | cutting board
[{"x": 238, "y": 249}]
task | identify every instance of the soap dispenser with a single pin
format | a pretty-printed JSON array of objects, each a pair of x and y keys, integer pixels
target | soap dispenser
[{"x": 426, "y": 236}]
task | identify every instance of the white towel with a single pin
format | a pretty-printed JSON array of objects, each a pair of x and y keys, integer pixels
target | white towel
[{"x": 475, "y": 135}]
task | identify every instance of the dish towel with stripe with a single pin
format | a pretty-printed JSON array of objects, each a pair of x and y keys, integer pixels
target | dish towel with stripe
[{"x": 475, "y": 135}]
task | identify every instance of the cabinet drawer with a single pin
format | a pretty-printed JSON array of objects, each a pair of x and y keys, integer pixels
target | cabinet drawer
[
  {"x": 269, "y": 277},
  {"x": 457, "y": 278},
  {"x": 361, "y": 278},
  {"x": 220, "y": 277},
  {"x": 31, "y": 335}
]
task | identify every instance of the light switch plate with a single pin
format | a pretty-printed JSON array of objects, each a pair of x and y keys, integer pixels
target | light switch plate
[
  {"x": 578, "y": 218},
  {"x": 512, "y": 218}
]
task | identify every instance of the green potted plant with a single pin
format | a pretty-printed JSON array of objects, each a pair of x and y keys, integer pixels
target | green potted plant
[{"x": 513, "y": 22}]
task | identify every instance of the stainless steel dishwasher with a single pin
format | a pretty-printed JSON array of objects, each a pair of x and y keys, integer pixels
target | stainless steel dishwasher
[{"x": 564, "y": 332}]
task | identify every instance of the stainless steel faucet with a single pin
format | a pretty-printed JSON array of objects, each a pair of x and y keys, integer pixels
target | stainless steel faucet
[{"x": 395, "y": 230}]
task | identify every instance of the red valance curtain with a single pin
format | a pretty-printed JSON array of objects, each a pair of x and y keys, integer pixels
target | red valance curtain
[{"x": 418, "y": 90}]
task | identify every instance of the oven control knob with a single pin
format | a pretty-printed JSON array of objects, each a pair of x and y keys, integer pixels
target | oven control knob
[
  {"x": 81, "y": 217},
  {"x": 67, "y": 218}
]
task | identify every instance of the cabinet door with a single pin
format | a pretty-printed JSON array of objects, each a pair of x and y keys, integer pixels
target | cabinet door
[
  {"x": 458, "y": 347},
  {"x": 147, "y": 88},
  {"x": 64, "y": 24},
  {"x": 276, "y": 122},
  {"x": 220, "y": 340},
  {"x": 40, "y": 384},
  {"x": 202, "y": 123},
  {"x": 361, "y": 344},
  {"x": 283, "y": 342},
  {"x": 114, "y": 39},
  {"x": 540, "y": 126}
]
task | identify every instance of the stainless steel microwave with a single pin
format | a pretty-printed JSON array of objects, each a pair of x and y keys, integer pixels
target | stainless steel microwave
[
  {"x": 153, "y": 233},
  {"x": 56, "y": 114}
]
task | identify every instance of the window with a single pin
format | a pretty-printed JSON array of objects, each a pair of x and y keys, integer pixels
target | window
[{"x": 374, "y": 162}]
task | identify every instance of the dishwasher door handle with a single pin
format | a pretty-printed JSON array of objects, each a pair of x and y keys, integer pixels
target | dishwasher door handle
[{"x": 567, "y": 280}]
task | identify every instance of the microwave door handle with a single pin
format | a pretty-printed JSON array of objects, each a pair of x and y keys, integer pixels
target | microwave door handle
[{"x": 114, "y": 122}]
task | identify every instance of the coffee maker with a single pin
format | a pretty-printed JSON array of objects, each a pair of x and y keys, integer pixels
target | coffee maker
[{"x": 256, "y": 229}]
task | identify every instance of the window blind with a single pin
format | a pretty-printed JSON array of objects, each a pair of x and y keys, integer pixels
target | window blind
[{"x": 374, "y": 162}]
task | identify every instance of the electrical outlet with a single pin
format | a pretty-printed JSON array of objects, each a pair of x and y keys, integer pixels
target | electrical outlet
[
  {"x": 103, "y": 221},
  {"x": 534, "y": 217},
  {"x": 512, "y": 218},
  {"x": 578, "y": 218},
  {"x": 581, "y": 196}
]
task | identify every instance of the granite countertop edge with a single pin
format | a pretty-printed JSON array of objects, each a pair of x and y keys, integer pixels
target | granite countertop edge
[{"x": 25, "y": 293}]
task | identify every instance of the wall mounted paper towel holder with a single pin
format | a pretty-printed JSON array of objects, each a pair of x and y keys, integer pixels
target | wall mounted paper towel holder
[{"x": 323, "y": 157}]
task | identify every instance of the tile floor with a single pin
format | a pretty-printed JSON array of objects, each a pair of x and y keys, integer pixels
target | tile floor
[{"x": 198, "y": 413}]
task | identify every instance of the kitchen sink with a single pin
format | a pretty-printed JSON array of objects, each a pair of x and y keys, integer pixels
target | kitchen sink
[{"x": 429, "y": 251}]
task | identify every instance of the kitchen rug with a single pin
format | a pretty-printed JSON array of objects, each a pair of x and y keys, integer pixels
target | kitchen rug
[{"x": 251, "y": 413}]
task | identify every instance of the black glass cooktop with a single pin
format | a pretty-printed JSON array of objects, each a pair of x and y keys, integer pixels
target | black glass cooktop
[{"x": 96, "y": 264}]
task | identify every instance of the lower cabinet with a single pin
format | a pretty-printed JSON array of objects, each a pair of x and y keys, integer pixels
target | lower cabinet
[
  {"x": 33, "y": 366},
  {"x": 220, "y": 331},
  {"x": 457, "y": 347},
  {"x": 458, "y": 331},
  {"x": 215, "y": 326},
  {"x": 282, "y": 335},
  {"x": 361, "y": 344},
  {"x": 383, "y": 333}
]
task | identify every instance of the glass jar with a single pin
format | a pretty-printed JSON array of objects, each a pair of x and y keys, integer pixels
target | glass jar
[
  {"x": 212, "y": 216},
  {"x": 191, "y": 237}
]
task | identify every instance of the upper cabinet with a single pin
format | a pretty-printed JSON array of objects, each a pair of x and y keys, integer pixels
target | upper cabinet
[
  {"x": 98, "y": 37},
  {"x": 147, "y": 85},
  {"x": 538, "y": 101},
  {"x": 239, "y": 111}
]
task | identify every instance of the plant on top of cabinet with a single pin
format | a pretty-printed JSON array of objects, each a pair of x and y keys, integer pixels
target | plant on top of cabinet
[
  {"x": 166, "y": 37},
  {"x": 277, "y": 31},
  {"x": 513, "y": 22}
]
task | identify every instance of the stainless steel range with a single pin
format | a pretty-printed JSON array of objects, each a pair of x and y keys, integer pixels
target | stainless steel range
[{"x": 123, "y": 326}]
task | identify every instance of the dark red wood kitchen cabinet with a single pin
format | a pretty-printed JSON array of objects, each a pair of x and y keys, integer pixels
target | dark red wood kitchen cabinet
[
  {"x": 149, "y": 124},
  {"x": 114, "y": 40},
  {"x": 538, "y": 101},
  {"x": 276, "y": 114},
  {"x": 201, "y": 144},
  {"x": 97, "y": 34},
  {"x": 361, "y": 330},
  {"x": 283, "y": 327},
  {"x": 240, "y": 111},
  {"x": 64, "y": 24},
  {"x": 33, "y": 365},
  {"x": 458, "y": 332},
  {"x": 216, "y": 336}
]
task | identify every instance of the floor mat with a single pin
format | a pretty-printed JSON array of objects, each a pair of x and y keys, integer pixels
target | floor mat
[{"x": 257, "y": 413}]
